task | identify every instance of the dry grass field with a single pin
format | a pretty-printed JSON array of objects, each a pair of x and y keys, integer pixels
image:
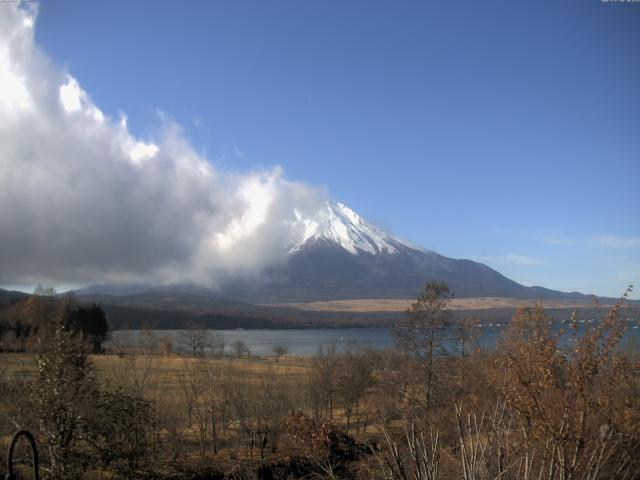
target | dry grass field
[
  {"x": 168, "y": 381},
  {"x": 165, "y": 370},
  {"x": 400, "y": 305}
]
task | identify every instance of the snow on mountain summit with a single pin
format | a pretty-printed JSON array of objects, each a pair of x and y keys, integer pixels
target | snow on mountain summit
[{"x": 338, "y": 224}]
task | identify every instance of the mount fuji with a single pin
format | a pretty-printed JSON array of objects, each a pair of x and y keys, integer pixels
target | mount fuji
[
  {"x": 339, "y": 255},
  {"x": 340, "y": 226}
]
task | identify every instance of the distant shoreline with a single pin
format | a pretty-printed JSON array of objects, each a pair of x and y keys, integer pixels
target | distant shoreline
[{"x": 367, "y": 305}]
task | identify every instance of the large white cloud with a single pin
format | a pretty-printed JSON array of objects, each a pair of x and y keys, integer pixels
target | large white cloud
[{"x": 83, "y": 200}]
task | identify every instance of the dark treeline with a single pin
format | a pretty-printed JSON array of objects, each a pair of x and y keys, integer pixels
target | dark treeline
[
  {"x": 536, "y": 406},
  {"x": 129, "y": 317},
  {"x": 139, "y": 312},
  {"x": 125, "y": 317},
  {"x": 25, "y": 322}
]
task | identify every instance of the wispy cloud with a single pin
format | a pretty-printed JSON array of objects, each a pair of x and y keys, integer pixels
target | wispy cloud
[
  {"x": 626, "y": 276},
  {"x": 600, "y": 241},
  {"x": 238, "y": 153},
  {"x": 559, "y": 240},
  {"x": 511, "y": 259},
  {"x": 629, "y": 274},
  {"x": 614, "y": 241},
  {"x": 197, "y": 121}
]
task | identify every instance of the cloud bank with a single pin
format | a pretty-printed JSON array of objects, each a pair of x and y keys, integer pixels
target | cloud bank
[{"x": 83, "y": 200}]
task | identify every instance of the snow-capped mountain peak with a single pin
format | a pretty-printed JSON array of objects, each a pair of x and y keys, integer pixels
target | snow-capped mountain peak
[{"x": 338, "y": 224}]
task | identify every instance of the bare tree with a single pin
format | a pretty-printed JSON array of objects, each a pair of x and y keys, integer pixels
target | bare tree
[
  {"x": 148, "y": 341},
  {"x": 217, "y": 343},
  {"x": 421, "y": 332},
  {"x": 213, "y": 399},
  {"x": 279, "y": 350},
  {"x": 354, "y": 377},
  {"x": 196, "y": 337},
  {"x": 241, "y": 348},
  {"x": 134, "y": 370},
  {"x": 321, "y": 383},
  {"x": 203, "y": 389},
  {"x": 465, "y": 334},
  {"x": 199, "y": 385},
  {"x": 189, "y": 382},
  {"x": 260, "y": 410},
  {"x": 414, "y": 456},
  {"x": 166, "y": 345}
]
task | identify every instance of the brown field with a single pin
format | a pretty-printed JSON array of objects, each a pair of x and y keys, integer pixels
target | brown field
[
  {"x": 160, "y": 380},
  {"x": 370, "y": 305},
  {"x": 165, "y": 370},
  {"x": 220, "y": 416}
]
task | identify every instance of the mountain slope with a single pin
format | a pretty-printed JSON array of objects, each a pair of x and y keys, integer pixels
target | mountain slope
[
  {"x": 336, "y": 254},
  {"x": 339, "y": 255}
]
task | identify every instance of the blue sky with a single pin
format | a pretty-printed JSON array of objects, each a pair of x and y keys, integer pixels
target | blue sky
[{"x": 506, "y": 132}]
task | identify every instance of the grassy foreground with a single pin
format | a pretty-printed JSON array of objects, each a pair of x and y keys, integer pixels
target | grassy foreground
[{"x": 543, "y": 404}]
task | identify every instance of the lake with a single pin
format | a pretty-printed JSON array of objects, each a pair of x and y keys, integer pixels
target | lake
[{"x": 308, "y": 342}]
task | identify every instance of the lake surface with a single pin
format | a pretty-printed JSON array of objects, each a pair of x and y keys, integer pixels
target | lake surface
[{"x": 308, "y": 342}]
